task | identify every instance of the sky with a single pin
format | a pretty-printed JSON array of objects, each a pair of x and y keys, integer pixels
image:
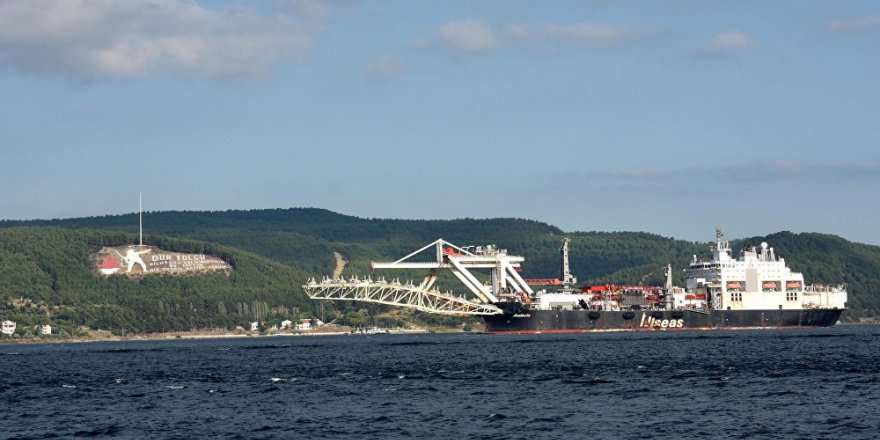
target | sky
[{"x": 670, "y": 117}]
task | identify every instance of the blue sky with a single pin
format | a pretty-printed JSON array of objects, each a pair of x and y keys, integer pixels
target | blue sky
[{"x": 669, "y": 117}]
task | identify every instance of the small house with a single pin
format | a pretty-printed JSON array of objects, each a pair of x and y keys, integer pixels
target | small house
[{"x": 7, "y": 327}]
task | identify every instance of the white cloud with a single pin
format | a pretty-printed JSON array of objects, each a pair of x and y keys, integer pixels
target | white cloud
[
  {"x": 469, "y": 36},
  {"x": 859, "y": 24},
  {"x": 742, "y": 173},
  {"x": 385, "y": 68},
  {"x": 727, "y": 43},
  {"x": 475, "y": 36},
  {"x": 585, "y": 33},
  {"x": 109, "y": 38}
]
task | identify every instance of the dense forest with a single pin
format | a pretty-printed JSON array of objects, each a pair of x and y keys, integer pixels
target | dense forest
[{"x": 45, "y": 273}]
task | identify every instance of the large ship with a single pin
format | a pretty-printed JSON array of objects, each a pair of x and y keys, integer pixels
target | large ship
[{"x": 755, "y": 290}]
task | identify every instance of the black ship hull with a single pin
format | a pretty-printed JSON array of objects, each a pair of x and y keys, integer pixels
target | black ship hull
[{"x": 573, "y": 321}]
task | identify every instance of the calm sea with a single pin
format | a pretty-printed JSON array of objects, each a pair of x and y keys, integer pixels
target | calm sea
[{"x": 821, "y": 383}]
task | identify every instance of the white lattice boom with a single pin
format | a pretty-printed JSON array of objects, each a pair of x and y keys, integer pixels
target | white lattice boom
[
  {"x": 503, "y": 280},
  {"x": 396, "y": 293}
]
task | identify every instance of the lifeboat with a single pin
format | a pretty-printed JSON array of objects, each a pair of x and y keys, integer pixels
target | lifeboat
[
  {"x": 451, "y": 252},
  {"x": 734, "y": 285},
  {"x": 770, "y": 285},
  {"x": 793, "y": 285}
]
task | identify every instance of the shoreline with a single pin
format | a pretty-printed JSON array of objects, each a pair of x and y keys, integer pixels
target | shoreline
[{"x": 178, "y": 336}]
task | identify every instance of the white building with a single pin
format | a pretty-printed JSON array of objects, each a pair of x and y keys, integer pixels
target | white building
[
  {"x": 8, "y": 328},
  {"x": 286, "y": 324},
  {"x": 44, "y": 329},
  {"x": 255, "y": 326}
]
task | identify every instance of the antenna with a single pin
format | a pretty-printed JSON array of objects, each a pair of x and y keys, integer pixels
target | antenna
[{"x": 140, "y": 219}]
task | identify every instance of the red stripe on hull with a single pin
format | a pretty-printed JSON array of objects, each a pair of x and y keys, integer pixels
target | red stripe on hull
[{"x": 645, "y": 330}]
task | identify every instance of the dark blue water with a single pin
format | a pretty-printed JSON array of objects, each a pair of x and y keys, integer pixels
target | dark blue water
[{"x": 822, "y": 383}]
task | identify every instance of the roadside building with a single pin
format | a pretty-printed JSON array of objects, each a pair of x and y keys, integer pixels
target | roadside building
[
  {"x": 44, "y": 329},
  {"x": 255, "y": 326},
  {"x": 7, "y": 327},
  {"x": 286, "y": 324}
]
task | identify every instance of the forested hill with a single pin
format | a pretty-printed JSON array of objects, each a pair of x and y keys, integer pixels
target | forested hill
[
  {"x": 319, "y": 223},
  {"x": 306, "y": 238},
  {"x": 46, "y": 277}
]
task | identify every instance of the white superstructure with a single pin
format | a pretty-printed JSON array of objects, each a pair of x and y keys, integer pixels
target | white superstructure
[{"x": 757, "y": 280}]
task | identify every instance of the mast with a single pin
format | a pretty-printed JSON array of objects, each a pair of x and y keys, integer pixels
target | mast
[
  {"x": 668, "y": 272},
  {"x": 567, "y": 278}
]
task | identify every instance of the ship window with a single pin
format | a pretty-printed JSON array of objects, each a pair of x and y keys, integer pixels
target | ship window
[
  {"x": 736, "y": 296},
  {"x": 791, "y": 296}
]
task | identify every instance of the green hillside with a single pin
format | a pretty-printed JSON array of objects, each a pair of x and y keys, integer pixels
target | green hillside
[
  {"x": 46, "y": 277},
  {"x": 307, "y": 237},
  {"x": 303, "y": 240}
]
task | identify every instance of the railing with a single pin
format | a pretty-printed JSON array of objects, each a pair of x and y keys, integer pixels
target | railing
[{"x": 825, "y": 288}]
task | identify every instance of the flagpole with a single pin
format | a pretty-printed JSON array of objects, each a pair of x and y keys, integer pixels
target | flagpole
[{"x": 140, "y": 219}]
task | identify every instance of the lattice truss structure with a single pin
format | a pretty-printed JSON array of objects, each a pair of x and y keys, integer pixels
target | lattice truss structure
[
  {"x": 504, "y": 280},
  {"x": 395, "y": 293}
]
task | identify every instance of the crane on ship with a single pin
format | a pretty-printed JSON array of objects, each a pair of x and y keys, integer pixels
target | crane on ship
[
  {"x": 504, "y": 285},
  {"x": 568, "y": 279}
]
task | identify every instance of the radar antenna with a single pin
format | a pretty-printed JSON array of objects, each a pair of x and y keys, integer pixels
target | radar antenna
[{"x": 720, "y": 244}]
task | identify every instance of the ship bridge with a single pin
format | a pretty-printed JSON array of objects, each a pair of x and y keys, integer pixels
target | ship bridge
[{"x": 504, "y": 282}]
